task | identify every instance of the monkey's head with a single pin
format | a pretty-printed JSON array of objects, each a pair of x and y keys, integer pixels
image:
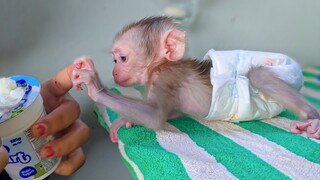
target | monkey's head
[{"x": 140, "y": 47}]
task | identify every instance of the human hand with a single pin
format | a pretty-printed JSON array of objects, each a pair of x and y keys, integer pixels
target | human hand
[
  {"x": 3, "y": 156},
  {"x": 62, "y": 120}
]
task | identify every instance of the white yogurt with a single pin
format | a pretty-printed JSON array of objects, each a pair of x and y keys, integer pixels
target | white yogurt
[
  {"x": 10, "y": 95},
  {"x": 16, "y": 118}
]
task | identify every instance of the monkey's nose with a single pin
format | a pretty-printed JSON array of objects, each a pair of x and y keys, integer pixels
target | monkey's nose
[{"x": 115, "y": 73}]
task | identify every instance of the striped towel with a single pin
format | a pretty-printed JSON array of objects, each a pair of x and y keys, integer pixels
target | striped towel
[{"x": 189, "y": 149}]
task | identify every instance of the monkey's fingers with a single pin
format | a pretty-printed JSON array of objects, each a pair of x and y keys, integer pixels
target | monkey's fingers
[
  {"x": 78, "y": 87},
  {"x": 313, "y": 130},
  {"x": 78, "y": 80},
  {"x": 315, "y": 135},
  {"x": 84, "y": 63},
  {"x": 114, "y": 135},
  {"x": 129, "y": 124},
  {"x": 90, "y": 79},
  {"x": 115, "y": 126},
  {"x": 83, "y": 76},
  {"x": 298, "y": 127}
]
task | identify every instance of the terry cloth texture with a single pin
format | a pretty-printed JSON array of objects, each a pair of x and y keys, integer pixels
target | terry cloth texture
[{"x": 189, "y": 149}]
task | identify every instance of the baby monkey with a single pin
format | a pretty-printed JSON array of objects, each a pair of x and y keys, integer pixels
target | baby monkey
[{"x": 226, "y": 85}]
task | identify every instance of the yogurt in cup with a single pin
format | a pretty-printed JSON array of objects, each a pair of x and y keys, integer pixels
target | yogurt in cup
[{"x": 17, "y": 115}]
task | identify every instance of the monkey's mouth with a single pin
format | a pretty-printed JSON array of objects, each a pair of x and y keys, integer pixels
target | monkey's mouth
[{"x": 125, "y": 82}]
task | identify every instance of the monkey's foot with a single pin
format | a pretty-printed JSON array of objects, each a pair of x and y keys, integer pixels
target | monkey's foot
[
  {"x": 311, "y": 126},
  {"x": 129, "y": 124},
  {"x": 115, "y": 126}
]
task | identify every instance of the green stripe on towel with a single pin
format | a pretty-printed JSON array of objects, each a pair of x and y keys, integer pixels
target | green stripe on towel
[
  {"x": 295, "y": 143},
  {"x": 288, "y": 114},
  {"x": 312, "y": 100},
  {"x": 141, "y": 146},
  {"x": 309, "y": 74},
  {"x": 146, "y": 153},
  {"x": 312, "y": 85},
  {"x": 112, "y": 115},
  {"x": 227, "y": 152},
  {"x": 130, "y": 168}
]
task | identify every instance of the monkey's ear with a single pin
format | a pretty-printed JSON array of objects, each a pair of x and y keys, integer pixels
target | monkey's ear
[{"x": 175, "y": 44}]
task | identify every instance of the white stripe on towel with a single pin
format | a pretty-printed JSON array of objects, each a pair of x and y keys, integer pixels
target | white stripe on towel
[
  {"x": 285, "y": 161},
  {"x": 312, "y": 70},
  {"x": 132, "y": 164},
  {"x": 310, "y": 92},
  {"x": 313, "y": 80},
  {"x": 198, "y": 163},
  {"x": 284, "y": 123},
  {"x": 102, "y": 110}
]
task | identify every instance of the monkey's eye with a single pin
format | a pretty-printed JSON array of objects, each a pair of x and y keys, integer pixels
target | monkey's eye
[
  {"x": 115, "y": 61},
  {"x": 123, "y": 58}
]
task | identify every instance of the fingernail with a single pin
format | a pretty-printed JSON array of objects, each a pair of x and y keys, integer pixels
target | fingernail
[
  {"x": 47, "y": 152},
  {"x": 40, "y": 129}
]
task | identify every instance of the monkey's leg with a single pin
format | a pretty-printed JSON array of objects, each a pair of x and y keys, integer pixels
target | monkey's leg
[
  {"x": 312, "y": 127},
  {"x": 267, "y": 82}
]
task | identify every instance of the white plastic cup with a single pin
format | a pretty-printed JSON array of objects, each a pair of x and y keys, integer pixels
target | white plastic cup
[{"x": 24, "y": 159}]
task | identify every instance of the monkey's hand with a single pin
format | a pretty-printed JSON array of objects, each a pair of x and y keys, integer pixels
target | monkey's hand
[
  {"x": 85, "y": 73},
  {"x": 115, "y": 126},
  {"x": 311, "y": 126}
]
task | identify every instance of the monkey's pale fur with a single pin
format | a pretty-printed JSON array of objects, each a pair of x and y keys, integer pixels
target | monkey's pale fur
[{"x": 150, "y": 52}]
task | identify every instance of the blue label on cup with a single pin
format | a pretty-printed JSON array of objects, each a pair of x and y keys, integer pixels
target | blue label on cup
[{"x": 27, "y": 172}]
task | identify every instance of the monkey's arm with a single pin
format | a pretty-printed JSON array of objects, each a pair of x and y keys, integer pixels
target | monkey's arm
[
  {"x": 131, "y": 111},
  {"x": 134, "y": 110},
  {"x": 150, "y": 114},
  {"x": 267, "y": 82}
]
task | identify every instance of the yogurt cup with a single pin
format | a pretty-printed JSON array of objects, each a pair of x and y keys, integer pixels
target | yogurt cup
[{"x": 24, "y": 159}]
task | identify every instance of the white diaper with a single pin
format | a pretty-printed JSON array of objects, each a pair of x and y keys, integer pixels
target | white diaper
[{"x": 232, "y": 96}]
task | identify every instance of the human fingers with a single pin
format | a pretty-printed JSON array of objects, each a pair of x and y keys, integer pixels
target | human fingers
[
  {"x": 60, "y": 84},
  {"x": 58, "y": 119},
  {"x": 72, "y": 163},
  {"x": 3, "y": 157},
  {"x": 69, "y": 139}
]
